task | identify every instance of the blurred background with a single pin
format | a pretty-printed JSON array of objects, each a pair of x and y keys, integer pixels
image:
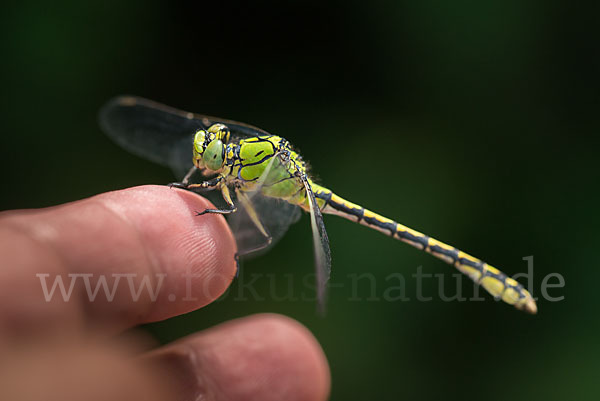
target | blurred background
[{"x": 474, "y": 122}]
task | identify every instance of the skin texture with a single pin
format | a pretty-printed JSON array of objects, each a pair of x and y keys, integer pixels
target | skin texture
[{"x": 76, "y": 349}]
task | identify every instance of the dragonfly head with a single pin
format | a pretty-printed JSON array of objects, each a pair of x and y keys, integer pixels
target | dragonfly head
[{"x": 209, "y": 147}]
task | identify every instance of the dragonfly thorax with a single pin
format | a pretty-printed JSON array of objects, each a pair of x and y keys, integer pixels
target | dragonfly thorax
[{"x": 209, "y": 147}]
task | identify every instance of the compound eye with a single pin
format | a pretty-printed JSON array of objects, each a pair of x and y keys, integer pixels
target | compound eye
[
  {"x": 221, "y": 132},
  {"x": 213, "y": 155},
  {"x": 199, "y": 140}
]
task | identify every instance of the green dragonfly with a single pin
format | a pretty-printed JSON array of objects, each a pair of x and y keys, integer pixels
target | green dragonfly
[{"x": 264, "y": 184}]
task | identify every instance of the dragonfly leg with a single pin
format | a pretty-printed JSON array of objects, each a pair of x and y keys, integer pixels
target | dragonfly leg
[
  {"x": 260, "y": 247},
  {"x": 249, "y": 209},
  {"x": 243, "y": 198},
  {"x": 184, "y": 184},
  {"x": 237, "y": 264},
  {"x": 227, "y": 197},
  {"x": 210, "y": 184},
  {"x": 177, "y": 185},
  {"x": 186, "y": 179}
]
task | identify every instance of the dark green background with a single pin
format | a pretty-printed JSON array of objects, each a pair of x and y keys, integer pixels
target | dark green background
[{"x": 473, "y": 121}]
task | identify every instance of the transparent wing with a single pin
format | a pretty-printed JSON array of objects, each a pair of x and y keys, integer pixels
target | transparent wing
[
  {"x": 160, "y": 133},
  {"x": 260, "y": 220},
  {"x": 180, "y": 157},
  {"x": 275, "y": 215},
  {"x": 151, "y": 130},
  {"x": 321, "y": 246}
]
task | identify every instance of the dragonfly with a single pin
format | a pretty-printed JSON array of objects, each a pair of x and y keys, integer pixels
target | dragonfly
[{"x": 264, "y": 184}]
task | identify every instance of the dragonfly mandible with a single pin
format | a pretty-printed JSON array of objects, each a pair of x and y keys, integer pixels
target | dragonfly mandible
[{"x": 265, "y": 183}]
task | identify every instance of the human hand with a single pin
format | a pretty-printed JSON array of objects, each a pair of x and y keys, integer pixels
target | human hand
[{"x": 57, "y": 348}]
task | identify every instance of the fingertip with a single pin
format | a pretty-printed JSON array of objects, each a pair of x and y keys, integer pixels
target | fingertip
[
  {"x": 195, "y": 254},
  {"x": 130, "y": 256},
  {"x": 261, "y": 357},
  {"x": 297, "y": 353}
]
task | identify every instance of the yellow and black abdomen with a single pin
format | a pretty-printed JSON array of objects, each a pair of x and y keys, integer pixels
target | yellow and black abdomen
[{"x": 493, "y": 280}]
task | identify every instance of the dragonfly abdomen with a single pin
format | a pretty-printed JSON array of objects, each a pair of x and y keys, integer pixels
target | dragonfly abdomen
[{"x": 493, "y": 280}]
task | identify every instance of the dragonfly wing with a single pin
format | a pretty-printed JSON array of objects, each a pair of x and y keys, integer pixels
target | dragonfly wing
[
  {"x": 262, "y": 220},
  {"x": 180, "y": 157},
  {"x": 274, "y": 215},
  {"x": 321, "y": 246},
  {"x": 160, "y": 133},
  {"x": 150, "y": 130}
]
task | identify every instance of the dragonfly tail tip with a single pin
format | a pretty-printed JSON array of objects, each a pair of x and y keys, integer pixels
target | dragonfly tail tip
[{"x": 529, "y": 306}]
